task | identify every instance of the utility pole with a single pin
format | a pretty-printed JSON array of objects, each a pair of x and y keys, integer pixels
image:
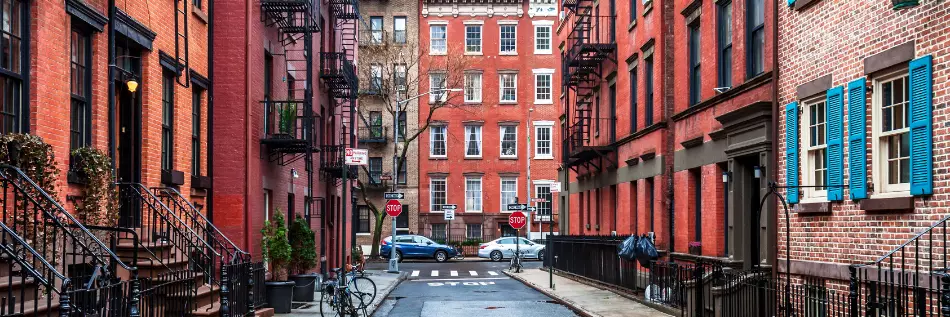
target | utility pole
[{"x": 393, "y": 263}]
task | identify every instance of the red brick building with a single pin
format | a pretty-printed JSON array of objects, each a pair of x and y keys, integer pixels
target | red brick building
[
  {"x": 883, "y": 83},
  {"x": 264, "y": 162},
  {"x": 474, "y": 154}
]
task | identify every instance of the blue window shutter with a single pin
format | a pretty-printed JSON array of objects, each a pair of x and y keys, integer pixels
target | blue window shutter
[
  {"x": 791, "y": 152},
  {"x": 857, "y": 135},
  {"x": 791, "y": 3},
  {"x": 921, "y": 126},
  {"x": 834, "y": 123}
]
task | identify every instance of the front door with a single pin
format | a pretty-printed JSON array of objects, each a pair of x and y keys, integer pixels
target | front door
[
  {"x": 507, "y": 230},
  {"x": 129, "y": 150}
]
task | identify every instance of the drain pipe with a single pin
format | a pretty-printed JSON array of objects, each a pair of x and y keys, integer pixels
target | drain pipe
[
  {"x": 210, "y": 151},
  {"x": 112, "y": 85},
  {"x": 247, "y": 116},
  {"x": 775, "y": 121}
]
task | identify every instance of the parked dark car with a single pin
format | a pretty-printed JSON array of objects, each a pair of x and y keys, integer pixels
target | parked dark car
[{"x": 418, "y": 247}]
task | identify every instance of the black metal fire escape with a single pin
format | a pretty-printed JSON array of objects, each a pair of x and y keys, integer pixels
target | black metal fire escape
[
  {"x": 590, "y": 44},
  {"x": 338, "y": 73},
  {"x": 181, "y": 42}
]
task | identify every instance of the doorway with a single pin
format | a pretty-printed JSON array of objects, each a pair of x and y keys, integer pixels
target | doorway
[
  {"x": 129, "y": 113},
  {"x": 507, "y": 230}
]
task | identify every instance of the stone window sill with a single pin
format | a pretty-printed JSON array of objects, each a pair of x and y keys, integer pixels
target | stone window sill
[{"x": 892, "y": 204}]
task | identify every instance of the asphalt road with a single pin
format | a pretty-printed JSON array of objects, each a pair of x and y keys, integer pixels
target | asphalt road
[{"x": 466, "y": 288}]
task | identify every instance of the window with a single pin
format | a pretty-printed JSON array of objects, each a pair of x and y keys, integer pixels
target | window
[
  {"x": 363, "y": 226},
  {"x": 437, "y": 187},
  {"x": 437, "y": 41},
  {"x": 542, "y": 39},
  {"x": 376, "y": 30},
  {"x": 80, "y": 128},
  {"x": 399, "y": 30},
  {"x": 509, "y": 82},
  {"x": 437, "y": 88},
  {"x": 402, "y": 221},
  {"x": 596, "y": 117},
  {"x": 697, "y": 176},
  {"x": 473, "y": 141},
  {"x": 815, "y": 149},
  {"x": 725, "y": 44},
  {"x": 196, "y": 131},
  {"x": 403, "y": 177},
  {"x": 542, "y": 88},
  {"x": 438, "y": 231},
  {"x": 543, "y": 192},
  {"x": 375, "y": 170},
  {"x": 375, "y": 124},
  {"x": 648, "y": 87},
  {"x": 473, "y": 38},
  {"x": 267, "y": 204},
  {"x": 633, "y": 11},
  {"x": 196, "y": 3},
  {"x": 269, "y": 108},
  {"x": 401, "y": 122},
  {"x": 473, "y": 87},
  {"x": 542, "y": 145},
  {"x": 509, "y": 141},
  {"x": 755, "y": 13},
  {"x": 376, "y": 78},
  {"x": 613, "y": 21},
  {"x": 508, "y": 42},
  {"x": 14, "y": 114},
  {"x": 509, "y": 192},
  {"x": 437, "y": 141},
  {"x": 168, "y": 106},
  {"x": 400, "y": 77},
  {"x": 650, "y": 202},
  {"x": 892, "y": 134},
  {"x": 695, "y": 79},
  {"x": 473, "y": 231},
  {"x": 633, "y": 98},
  {"x": 473, "y": 194}
]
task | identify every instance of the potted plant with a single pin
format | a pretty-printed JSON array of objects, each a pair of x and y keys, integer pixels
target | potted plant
[
  {"x": 303, "y": 257},
  {"x": 276, "y": 250},
  {"x": 288, "y": 118}
]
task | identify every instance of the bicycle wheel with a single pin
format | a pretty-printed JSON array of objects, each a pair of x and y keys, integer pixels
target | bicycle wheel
[
  {"x": 325, "y": 302},
  {"x": 363, "y": 286},
  {"x": 344, "y": 307}
]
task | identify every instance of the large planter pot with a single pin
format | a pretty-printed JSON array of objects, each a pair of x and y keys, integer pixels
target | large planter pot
[
  {"x": 304, "y": 285},
  {"x": 279, "y": 296}
]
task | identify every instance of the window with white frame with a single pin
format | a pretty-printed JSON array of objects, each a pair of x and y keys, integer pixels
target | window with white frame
[
  {"x": 473, "y": 38},
  {"x": 437, "y": 188},
  {"x": 892, "y": 134},
  {"x": 473, "y": 194},
  {"x": 543, "y": 191},
  {"x": 437, "y": 87},
  {"x": 400, "y": 76},
  {"x": 508, "y": 42},
  {"x": 509, "y": 141},
  {"x": 509, "y": 192},
  {"x": 814, "y": 146},
  {"x": 542, "y": 143},
  {"x": 509, "y": 90},
  {"x": 438, "y": 231},
  {"x": 473, "y": 87},
  {"x": 437, "y": 39},
  {"x": 437, "y": 143},
  {"x": 376, "y": 80},
  {"x": 473, "y": 231},
  {"x": 542, "y": 88},
  {"x": 473, "y": 141},
  {"x": 542, "y": 39}
]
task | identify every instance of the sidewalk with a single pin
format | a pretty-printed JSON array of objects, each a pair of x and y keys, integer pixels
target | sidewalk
[
  {"x": 385, "y": 284},
  {"x": 585, "y": 299}
]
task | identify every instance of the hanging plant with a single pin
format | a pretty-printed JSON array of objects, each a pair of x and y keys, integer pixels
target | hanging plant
[
  {"x": 99, "y": 203},
  {"x": 36, "y": 159}
]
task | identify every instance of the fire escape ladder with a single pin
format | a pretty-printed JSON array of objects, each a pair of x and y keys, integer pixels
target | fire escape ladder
[{"x": 181, "y": 42}]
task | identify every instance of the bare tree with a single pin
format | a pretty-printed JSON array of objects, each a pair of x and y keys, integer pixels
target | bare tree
[{"x": 390, "y": 76}]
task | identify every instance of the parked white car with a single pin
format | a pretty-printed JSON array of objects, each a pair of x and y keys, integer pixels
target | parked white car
[{"x": 504, "y": 248}]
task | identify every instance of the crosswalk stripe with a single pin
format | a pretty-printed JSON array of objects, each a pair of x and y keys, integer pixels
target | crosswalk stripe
[
  {"x": 435, "y": 273},
  {"x": 454, "y": 273},
  {"x": 473, "y": 273},
  {"x": 415, "y": 273},
  {"x": 492, "y": 273}
]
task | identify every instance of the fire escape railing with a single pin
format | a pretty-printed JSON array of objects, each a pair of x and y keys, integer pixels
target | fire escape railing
[
  {"x": 332, "y": 162},
  {"x": 376, "y": 133},
  {"x": 338, "y": 74}
]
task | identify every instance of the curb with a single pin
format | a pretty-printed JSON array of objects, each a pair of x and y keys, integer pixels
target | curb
[
  {"x": 659, "y": 307},
  {"x": 382, "y": 297},
  {"x": 577, "y": 309}
]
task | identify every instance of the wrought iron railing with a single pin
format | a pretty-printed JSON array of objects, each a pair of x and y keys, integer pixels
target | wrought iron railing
[
  {"x": 287, "y": 122},
  {"x": 591, "y": 40},
  {"x": 169, "y": 294},
  {"x": 338, "y": 74},
  {"x": 228, "y": 252},
  {"x": 240, "y": 283},
  {"x": 373, "y": 37},
  {"x": 258, "y": 289},
  {"x": 29, "y": 269},
  {"x": 332, "y": 162},
  {"x": 373, "y": 134}
]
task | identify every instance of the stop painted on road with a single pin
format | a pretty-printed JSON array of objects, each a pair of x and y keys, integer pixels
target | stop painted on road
[{"x": 436, "y": 284}]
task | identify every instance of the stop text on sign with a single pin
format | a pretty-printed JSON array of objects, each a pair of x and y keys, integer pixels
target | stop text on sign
[{"x": 517, "y": 220}]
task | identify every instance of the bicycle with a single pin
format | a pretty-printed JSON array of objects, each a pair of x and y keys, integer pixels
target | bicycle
[
  {"x": 515, "y": 265},
  {"x": 347, "y": 296},
  {"x": 459, "y": 255}
]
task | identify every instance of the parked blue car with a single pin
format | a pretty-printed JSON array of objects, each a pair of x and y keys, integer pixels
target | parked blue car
[{"x": 419, "y": 247}]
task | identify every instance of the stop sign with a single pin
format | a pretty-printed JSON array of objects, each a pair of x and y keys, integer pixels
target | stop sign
[
  {"x": 393, "y": 208},
  {"x": 517, "y": 220}
]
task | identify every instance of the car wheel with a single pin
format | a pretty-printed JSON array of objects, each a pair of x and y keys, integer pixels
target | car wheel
[
  {"x": 496, "y": 256},
  {"x": 399, "y": 256},
  {"x": 441, "y": 256},
  {"x": 541, "y": 255}
]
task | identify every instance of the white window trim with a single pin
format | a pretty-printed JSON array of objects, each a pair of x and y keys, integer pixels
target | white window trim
[
  {"x": 534, "y": 43},
  {"x": 481, "y": 39},
  {"x": 444, "y": 94},
  {"x": 807, "y": 164},
  {"x": 549, "y": 125},
  {"x": 478, "y": 96},
  {"x": 507, "y": 23},
  {"x": 444, "y": 140},
  {"x": 501, "y": 140},
  {"x": 879, "y": 156},
  {"x": 539, "y": 184},
  {"x": 501, "y": 88},
  {"x": 501, "y": 202},
  {"x": 432, "y": 51},
  {"x": 539, "y": 72},
  {"x": 431, "y": 197},
  {"x": 481, "y": 145},
  {"x": 481, "y": 198}
]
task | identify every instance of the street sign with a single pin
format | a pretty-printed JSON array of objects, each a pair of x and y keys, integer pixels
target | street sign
[
  {"x": 393, "y": 208},
  {"x": 356, "y": 156},
  {"x": 517, "y": 220},
  {"x": 515, "y": 207},
  {"x": 555, "y": 187},
  {"x": 394, "y": 196},
  {"x": 449, "y": 214},
  {"x": 386, "y": 177},
  {"x": 538, "y": 200},
  {"x": 532, "y": 209},
  {"x": 450, "y": 207}
]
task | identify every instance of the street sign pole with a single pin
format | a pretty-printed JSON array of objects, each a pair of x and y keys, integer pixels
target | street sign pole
[
  {"x": 393, "y": 264},
  {"x": 391, "y": 207}
]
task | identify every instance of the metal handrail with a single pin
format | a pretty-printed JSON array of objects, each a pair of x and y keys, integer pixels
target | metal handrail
[
  {"x": 29, "y": 267},
  {"x": 179, "y": 200},
  {"x": 145, "y": 191}
]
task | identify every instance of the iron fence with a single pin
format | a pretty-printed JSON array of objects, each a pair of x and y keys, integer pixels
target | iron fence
[
  {"x": 468, "y": 245},
  {"x": 115, "y": 298},
  {"x": 237, "y": 284},
  {"x": 595, "y": 257},
  {"x": 169, "y": 294},
  {"x": 257, "y": 287}
]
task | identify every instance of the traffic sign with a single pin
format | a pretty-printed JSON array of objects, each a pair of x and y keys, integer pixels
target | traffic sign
[
  {"x": 449, "y": 214},
  {"x": 356, "y": 156},
  {"x": 393, "y": 208},
  {"x": 532, "y": 209},
  {"x": 515, "y": 207},
  {"x": 555, "y": 187},
  {"x": 539, "y": 200},
  {"x": 394, "y": 196},
  {"x": 517, "y": 220},
  {"x": 449, "y": 207}
]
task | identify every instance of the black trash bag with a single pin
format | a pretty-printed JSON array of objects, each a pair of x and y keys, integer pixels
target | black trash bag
[
  {"x": 628, "y": 248},
  {"x": 646, "y": 251}
]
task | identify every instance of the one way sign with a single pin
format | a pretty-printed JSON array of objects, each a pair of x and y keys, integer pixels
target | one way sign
[
  {"x": 394, "y": 195},
  {"x": 518, "y": 207}
]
